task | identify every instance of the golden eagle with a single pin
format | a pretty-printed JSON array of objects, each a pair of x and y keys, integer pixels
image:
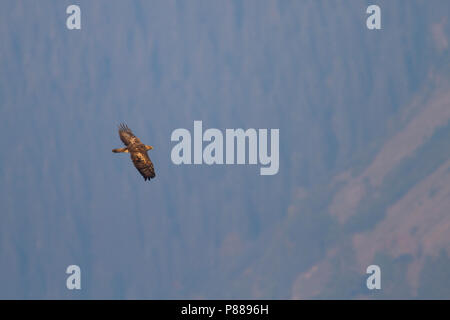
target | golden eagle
[{"x": 138, "y": 152}]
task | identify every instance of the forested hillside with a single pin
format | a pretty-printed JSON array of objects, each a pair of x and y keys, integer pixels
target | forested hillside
[{"x": 364, "y": 149}]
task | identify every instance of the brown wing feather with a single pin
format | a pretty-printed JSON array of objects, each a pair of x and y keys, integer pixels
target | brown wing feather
[
  {"x": 127, "y": 137},
  {"x": 143, "y": 164}
]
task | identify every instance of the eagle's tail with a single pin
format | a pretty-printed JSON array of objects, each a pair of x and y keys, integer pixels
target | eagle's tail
[{"x": 120, "y": 150}]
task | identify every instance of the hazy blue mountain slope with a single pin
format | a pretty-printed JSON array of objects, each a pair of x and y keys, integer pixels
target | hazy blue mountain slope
[{"x": 337, "y": 91}]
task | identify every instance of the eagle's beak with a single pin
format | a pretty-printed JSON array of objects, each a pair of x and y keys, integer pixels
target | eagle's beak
[{"x": 149, "y": 147}]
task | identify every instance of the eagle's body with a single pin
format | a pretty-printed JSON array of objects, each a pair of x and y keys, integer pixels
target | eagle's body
[{"x": 138, "y": 152}]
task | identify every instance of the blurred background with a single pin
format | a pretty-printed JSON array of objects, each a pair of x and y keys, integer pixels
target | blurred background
[{"x": 364, "y": 149}]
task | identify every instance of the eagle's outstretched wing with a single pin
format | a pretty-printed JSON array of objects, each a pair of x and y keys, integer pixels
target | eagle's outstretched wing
[
  {"x": 127, "y": 136},
  {"x": 143, "y": 164}
]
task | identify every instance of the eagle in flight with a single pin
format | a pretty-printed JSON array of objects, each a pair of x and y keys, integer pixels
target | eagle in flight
[{"x": 138, "y": 152}]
